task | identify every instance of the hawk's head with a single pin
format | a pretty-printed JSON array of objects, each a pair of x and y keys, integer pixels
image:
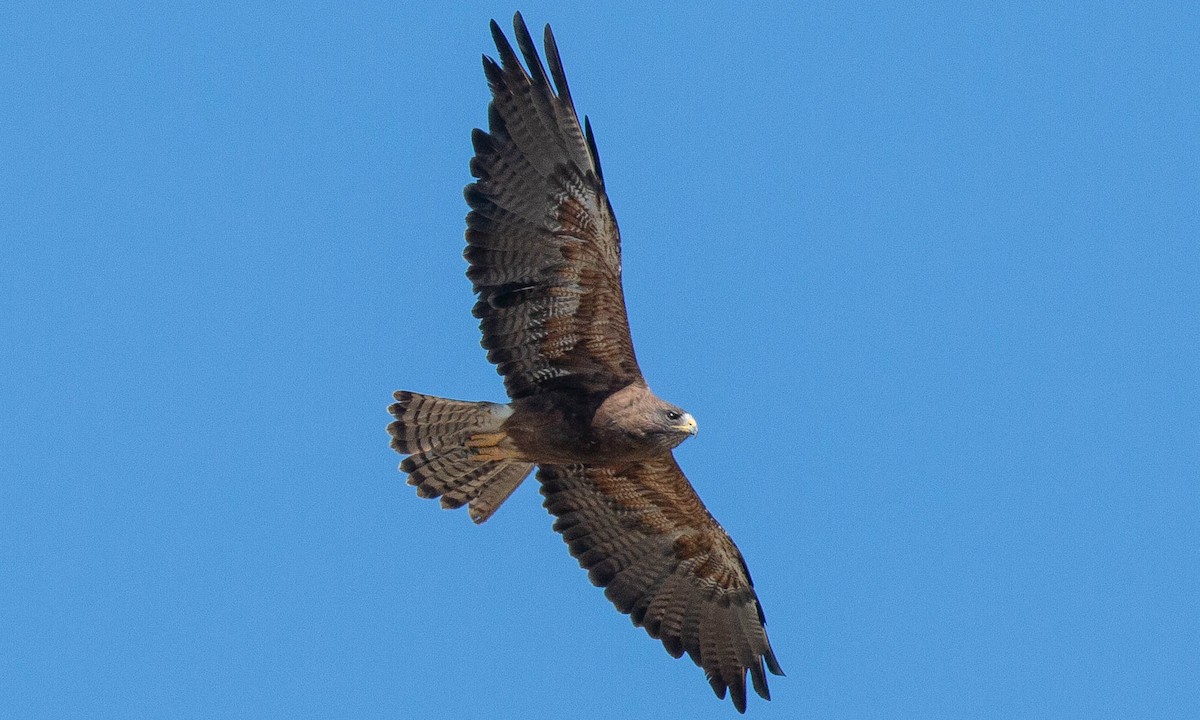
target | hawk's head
[
  {"x": 646, "y": 419},
  {"x": 672, "y": 422}
]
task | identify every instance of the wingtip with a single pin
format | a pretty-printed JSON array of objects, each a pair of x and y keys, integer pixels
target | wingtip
[
  {"x": 758, "y": 680},
  {"x": 717, "y": 683},
  {"x": 737, "y": 690},
  {"x": 556, "y": 69},
  {"x": 772, "y": 663},
  {"x": 525, "y": 44},
  {"x": 519, "y": 26},
  {"x": 591, "y": 143},
  {"x": 501, "y": 41},
  {"x": 493, "y": 72}
]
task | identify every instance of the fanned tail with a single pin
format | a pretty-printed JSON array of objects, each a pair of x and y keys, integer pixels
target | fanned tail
[{"x": 456, "y": 451}]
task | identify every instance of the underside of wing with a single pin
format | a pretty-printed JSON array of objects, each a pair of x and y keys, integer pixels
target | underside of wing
[
  {"x": 643, "y": 534},
  {"x": 542, "y": 242}
]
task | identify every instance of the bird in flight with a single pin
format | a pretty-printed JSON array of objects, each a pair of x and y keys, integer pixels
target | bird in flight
[{"x": 545, "y": 262}]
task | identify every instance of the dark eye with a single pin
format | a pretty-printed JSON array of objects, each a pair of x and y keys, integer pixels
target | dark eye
[{"x": 673, "y": 416}]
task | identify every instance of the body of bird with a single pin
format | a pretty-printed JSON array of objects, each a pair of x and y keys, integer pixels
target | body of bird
[{"x": 544, "y": 257}]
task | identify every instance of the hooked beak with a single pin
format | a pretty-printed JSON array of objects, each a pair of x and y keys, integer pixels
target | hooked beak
[{"x": 687, "y": 424}]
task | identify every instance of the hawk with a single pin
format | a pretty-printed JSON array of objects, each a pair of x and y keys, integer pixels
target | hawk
[{"x": 545, "y": 263}]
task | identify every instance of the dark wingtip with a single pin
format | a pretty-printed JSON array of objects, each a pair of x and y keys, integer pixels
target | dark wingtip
[
  {"x": 718, "y": 684},
  {"x": 591, "y": 142},
  {"x": 519, "y": 26},
  {"x": 508, "y": 58},
  {"x": 493, "y": 73},
  {"x": 529, "y": 51},
  {"x": 759, "y": 679},
  {"x": 773, "y": 664},
  {"x": 481, "y": 142},
  {"x": 556, "y": 69},
  {"x": 673, "y": 646},
  {"x": 737, "y": 688},
  {"x": 476, "y": 198}
]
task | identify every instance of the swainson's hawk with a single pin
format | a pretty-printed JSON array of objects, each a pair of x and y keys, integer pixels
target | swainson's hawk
[{"x": 544, "y": 256}]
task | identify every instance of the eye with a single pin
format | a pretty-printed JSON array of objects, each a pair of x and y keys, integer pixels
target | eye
[{"x": 673, "y": 416}]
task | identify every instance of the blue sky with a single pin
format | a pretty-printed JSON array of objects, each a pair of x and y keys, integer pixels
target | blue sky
[{"x": 926, "y": 276}]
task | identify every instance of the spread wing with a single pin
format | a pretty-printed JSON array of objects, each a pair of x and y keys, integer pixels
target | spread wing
[
  {"x": 643, "y": 534},
  {"x": 542, "y": 242}
]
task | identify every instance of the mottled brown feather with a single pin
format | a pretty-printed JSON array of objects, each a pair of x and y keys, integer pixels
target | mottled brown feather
[
  {"x": 542, "y": 241},
  {"x": 643, "y": 534}
]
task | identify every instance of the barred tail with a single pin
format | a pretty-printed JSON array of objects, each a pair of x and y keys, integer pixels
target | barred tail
[{"x": 454, "y": 451}]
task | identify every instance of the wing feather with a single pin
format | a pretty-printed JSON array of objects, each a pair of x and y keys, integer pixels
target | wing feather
[
  {"x": 643, "y": 534},
  {"x": 542, "y": 241}
]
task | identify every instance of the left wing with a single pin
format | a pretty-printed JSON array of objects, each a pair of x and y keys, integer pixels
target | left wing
[
  {"x": 543, "y": 244},
  {"x": 643, "y": 534}
]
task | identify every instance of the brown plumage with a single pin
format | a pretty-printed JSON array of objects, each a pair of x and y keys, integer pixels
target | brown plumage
[{"x": 545, "y": 261}]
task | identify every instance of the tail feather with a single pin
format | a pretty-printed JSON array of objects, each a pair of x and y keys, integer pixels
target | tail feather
[
  {"x": 492, "y": 494},
  {"x": 425, "y": 422},
  {"x": 434, "y": 432}
]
